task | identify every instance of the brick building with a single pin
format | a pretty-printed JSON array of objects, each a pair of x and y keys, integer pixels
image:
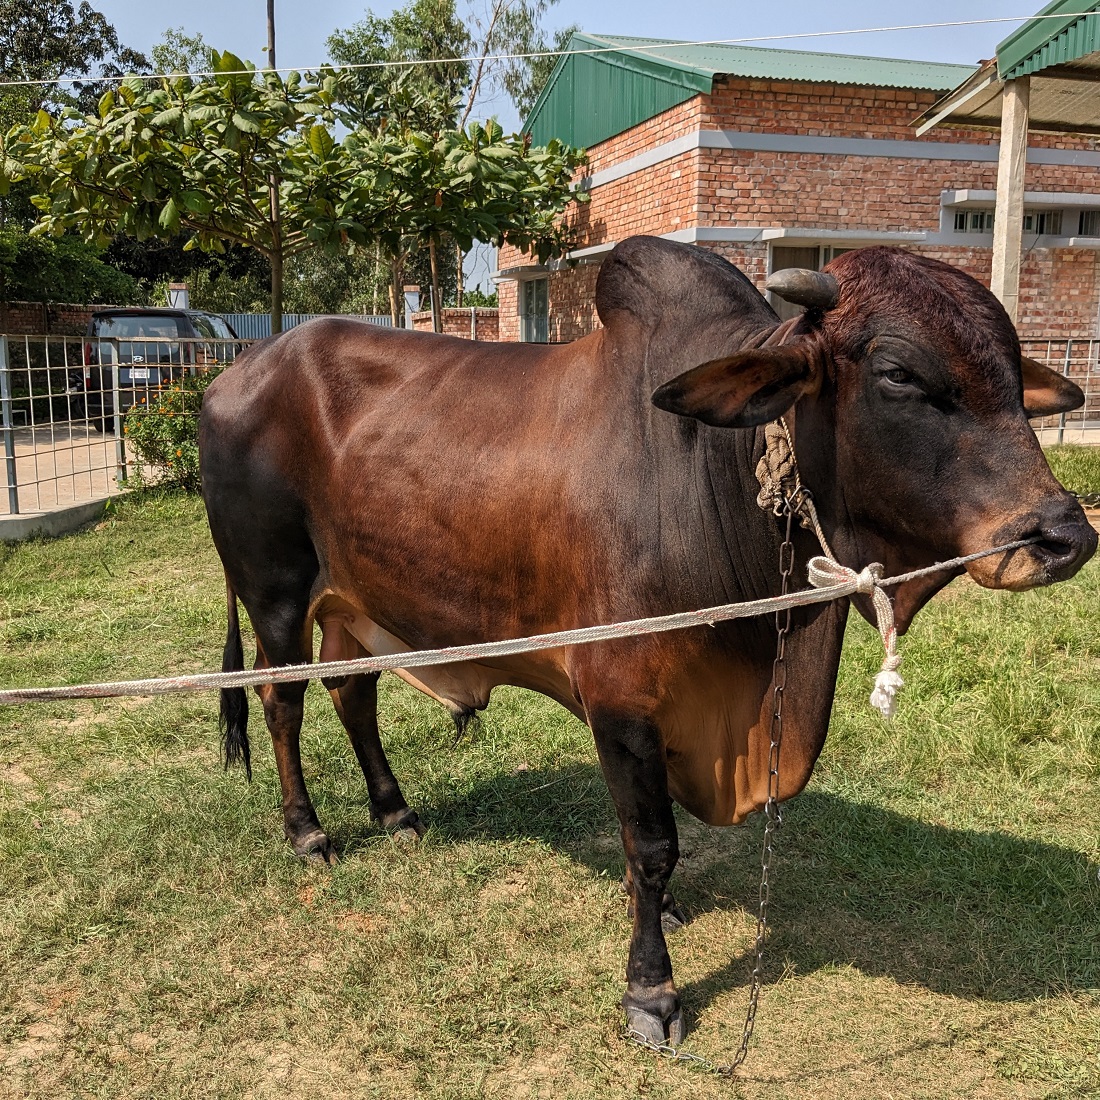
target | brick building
[{"x": 778, "y": 158}]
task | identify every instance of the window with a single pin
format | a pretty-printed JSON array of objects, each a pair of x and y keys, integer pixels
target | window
[
  {"x": 1035, "y": 221},
  {"x": 973, "y": 221},
  {"x": 534, "y": 311},
  {"x": 1089, "y": 225},
  {"x": 1043, "y": 221}
]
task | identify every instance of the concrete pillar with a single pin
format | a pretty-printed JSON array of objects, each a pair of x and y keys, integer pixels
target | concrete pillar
[{"x": 1008, "y": 222}]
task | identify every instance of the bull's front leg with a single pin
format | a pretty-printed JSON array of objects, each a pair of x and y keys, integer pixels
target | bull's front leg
[{"x": 632, "y": 756}]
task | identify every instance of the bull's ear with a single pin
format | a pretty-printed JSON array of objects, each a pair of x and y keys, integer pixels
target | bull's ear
[
  {"x": 1046, "y": 391},
  {"x": 750, "y": 388}
]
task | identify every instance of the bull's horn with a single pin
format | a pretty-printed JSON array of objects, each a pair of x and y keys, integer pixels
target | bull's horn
[{"x": 813, "y": 289}]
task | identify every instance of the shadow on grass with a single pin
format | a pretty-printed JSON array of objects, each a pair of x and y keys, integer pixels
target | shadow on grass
[{"x": 966, "y": 913}]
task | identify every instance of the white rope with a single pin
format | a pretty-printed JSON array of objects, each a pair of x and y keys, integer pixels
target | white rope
[
  {"x": 831, "y": 581},
  {"x": 474, "y": 58}
]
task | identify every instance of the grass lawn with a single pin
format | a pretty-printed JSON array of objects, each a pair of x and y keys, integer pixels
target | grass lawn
[{"x": 936, "y": 912}]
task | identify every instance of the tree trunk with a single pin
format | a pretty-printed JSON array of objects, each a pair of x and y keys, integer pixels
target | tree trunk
[
  {"x": 397, "y": 301},
  {"x": 277, "y": 292},
  {"x": 377, "y": 276},
  {"x": 458, "y": 275},
  {"x": 437, "y": 312}
]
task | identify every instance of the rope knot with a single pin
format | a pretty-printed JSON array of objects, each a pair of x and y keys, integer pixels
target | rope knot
[
  {"x": 868, "y": 579},
  {"x": 826, "y": 573}
]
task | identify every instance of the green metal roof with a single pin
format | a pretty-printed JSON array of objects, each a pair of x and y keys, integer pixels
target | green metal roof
[
  {"x": 593, "y": 96},
  {"x": 1042, "y": 42}
]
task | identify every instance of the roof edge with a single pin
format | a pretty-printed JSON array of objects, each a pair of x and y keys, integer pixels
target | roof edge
[
  {"x": 693, "y": 79},
  {"x": 1031, "y": 36}
]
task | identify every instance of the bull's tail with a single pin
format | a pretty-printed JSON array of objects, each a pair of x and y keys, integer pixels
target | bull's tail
[{"x": 233, "y": 714}]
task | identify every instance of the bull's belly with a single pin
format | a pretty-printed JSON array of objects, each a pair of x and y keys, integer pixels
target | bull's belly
[
  {"x": 461, "y": 686},
  {"x": 715, "y": 725}
]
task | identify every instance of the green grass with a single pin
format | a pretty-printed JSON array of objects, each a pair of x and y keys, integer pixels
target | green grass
[
  {"x": 1077, "y": 468},
  {"x": 935, "y": 913}
]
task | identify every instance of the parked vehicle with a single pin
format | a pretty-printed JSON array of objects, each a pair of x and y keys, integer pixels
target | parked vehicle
[{"x": 149, "y": 348}]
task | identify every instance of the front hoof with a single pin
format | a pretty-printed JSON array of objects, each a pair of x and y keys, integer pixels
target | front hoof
[
  {"x": 315, "y": 847},
  {"x": 408, "y": 829},
  {"x": 672, "y": 919},
  {"x": 653, "y": 1031}
]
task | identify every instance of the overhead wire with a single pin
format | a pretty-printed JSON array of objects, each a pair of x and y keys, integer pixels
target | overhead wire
[{"x": 534, "y": 54}]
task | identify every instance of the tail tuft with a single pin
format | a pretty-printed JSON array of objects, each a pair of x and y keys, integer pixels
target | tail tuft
[{"x": 233, "y": 713}]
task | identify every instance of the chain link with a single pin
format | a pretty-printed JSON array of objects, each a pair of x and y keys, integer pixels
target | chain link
[{"x": 773, "y": 819}]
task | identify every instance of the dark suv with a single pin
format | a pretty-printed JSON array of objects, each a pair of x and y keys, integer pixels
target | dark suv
[{"x": 150, "y": 348}]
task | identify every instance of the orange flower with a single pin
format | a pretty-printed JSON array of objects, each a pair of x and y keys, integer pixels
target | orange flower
[{"x": 179, "y": 454}]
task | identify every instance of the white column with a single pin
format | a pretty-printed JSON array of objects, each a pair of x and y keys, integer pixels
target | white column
[{"x": 1008, "y": 223}]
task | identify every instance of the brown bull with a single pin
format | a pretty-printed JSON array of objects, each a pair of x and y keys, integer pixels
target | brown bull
[{"x": 409, "y": 491}]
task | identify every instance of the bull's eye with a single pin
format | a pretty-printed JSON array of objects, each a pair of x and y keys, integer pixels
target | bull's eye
[{"x": 896, "y": 376}]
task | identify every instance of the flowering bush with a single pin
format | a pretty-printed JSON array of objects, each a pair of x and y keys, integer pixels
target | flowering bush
[{"x": 164, "y": 433}]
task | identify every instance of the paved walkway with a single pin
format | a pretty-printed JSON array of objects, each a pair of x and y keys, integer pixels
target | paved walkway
[
  {"x": 1088, "y": 435},
  {"x": 58, "y": 466}
]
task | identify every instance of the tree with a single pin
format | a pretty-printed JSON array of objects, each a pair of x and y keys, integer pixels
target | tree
[
  {"x": 42, "y": 40},
  {"x": 469, "y": 184},
  {"x": 422, "y": 31},
  {"x": 524, "y": 78},
  {"x": 66, "y": 270},
  {"x": 427, "y": 29},
  {"x": 512, "y": 27},
  {"x": 172, "y": 157},
  {"x": 180, "y": 52}
]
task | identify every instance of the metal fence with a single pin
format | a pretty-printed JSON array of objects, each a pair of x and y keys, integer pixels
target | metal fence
[
  {"x": 63, "y": 407},
  {"x": 255, "y": 326},
  {"x": 1078, "y": 359}
]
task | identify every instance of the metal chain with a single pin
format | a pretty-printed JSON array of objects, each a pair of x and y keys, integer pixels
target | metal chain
[{"x": 773, "y": 819}]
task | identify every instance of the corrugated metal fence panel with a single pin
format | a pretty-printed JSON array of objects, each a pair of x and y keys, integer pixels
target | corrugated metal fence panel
[{"x": 255, "y": 326}]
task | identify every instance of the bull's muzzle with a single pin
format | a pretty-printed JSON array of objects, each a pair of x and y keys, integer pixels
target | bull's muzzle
[{"x": 1066, "y": 541}]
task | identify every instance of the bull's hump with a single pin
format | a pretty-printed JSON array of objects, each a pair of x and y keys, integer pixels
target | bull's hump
[{"x": 651, "y": 281}]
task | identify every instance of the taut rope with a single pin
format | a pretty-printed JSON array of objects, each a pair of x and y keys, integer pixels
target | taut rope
[{"x": 831, "y": 581}]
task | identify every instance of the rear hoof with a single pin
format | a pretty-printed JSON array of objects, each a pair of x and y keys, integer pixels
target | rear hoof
[
  {"x": 650, "y": 1030},
  {"x": 315, "y": 847}
]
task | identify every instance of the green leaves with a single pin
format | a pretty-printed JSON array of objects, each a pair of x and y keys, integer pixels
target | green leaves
[
  {"x": 320, "y": 141},
  {"x": 172, "y": 156},
  {"x": 169, "y": 219}
]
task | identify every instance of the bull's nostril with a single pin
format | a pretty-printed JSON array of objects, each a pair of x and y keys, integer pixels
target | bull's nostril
[
  {"x": 1064, "y": 548},
  {"x": 1056, "y": 548}
]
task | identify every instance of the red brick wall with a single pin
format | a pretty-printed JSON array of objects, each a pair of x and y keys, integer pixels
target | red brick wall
[
  {"x": 508, "y": 297},
  {"x": 1060, "y": 288},
  {"x": 456, "y": 322},
  {"x": 41, "y": 319}
]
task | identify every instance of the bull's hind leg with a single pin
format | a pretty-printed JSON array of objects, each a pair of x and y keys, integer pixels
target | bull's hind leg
[
  {"x": 283, "y": 639},
  {"x": 356, "y": 702}
]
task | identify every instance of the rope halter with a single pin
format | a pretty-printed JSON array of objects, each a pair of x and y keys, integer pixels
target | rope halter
[{"x": 826, "y": 573}]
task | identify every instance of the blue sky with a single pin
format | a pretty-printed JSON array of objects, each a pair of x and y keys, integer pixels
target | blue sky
[{"x": 240, "y": 25}]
